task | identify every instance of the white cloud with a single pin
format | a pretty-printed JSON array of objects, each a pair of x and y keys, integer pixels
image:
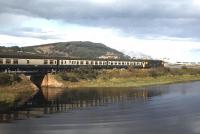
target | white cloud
[
  {"x": 157, "y": 28},
  {"x": 102, "y": 1},
  {"x": 175, "y": 49}
]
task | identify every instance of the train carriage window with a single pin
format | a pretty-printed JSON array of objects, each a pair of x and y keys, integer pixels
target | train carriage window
[
  {"x": 105, "y": 62},
  {"x": 1, "y": 61},
  {"x": 87, "y": 62},
  {"x": 27, "y": 61},
  {"x": 100, "y": 63},
  {"x": 55, "y": 62},
  {"x": 45, "y": 62},
  {"x": 15, "y": 61},
  {"x": 8, "y": 61},
  {"x": 119, "y": 63},
  {"x": 96, "y": 63},
  {"x": 51, "y": 62},
  {"x": 81, "y": 62},
  {"x": 92, "y": 62},
  {"x": 78, "y": 63}
]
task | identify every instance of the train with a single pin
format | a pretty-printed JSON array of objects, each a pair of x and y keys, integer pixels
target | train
[{"x": 34, "y": 62}]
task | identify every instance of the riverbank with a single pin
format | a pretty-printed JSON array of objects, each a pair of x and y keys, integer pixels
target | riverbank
[
  {"x": 16, "y": 92},
  {"x": 133, "y": 82},
  {"x": 127, "y": 78}
]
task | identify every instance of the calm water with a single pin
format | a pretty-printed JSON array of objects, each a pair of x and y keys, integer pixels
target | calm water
[{"x": 168, "y": 109}]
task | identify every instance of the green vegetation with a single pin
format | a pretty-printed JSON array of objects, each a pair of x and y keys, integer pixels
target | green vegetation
[
  {"x": 30, "y": 50},
  {"x": 128, "y": 78},
  {"x": 76, "y": 49},
  {"x": 8, "y": 79},
  {"x": 14, "y": 89},
  {"x": 79, "y": 74},
  {"x": 82, "y": 49},
  {"x": 9, "y": 49}
]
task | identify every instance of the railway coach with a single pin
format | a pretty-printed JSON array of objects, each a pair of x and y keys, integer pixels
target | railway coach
[{"x": 33, "y": 62}]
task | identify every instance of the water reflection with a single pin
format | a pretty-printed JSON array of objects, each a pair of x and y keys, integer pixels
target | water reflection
[
  {"x": 163, "y": 109},
  {"x": 54, "y": 100}
]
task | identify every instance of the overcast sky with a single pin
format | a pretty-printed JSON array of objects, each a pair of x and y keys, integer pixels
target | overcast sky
[{"x": 159, "y": 28}]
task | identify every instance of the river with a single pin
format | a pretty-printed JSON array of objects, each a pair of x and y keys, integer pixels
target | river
[{"x": 166, "y": 109}]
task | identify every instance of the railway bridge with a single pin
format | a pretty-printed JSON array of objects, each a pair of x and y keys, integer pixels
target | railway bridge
[
  {"x": 36, "y": 67},
  {"x": 35, "y": 76}
]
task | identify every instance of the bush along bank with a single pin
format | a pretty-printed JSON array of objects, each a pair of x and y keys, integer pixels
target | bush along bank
[
  {"x": 126, "y": 77},
  {"x": 14, "y": 89}
]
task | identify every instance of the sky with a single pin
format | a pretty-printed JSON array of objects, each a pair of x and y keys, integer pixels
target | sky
[{"x": 158, "y": 28}]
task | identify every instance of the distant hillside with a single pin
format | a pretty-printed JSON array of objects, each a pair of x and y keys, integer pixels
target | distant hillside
[{"x": 75, "y": 49}]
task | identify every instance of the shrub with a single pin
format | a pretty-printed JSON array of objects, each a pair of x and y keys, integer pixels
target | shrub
[
  {"x": 80, "y": 73},
  {"x": 8, "y": 79},
  {"x": 4, "y": 79},
  {"x": 154, "y": 73},
  {"x": 184, "y": 67}
]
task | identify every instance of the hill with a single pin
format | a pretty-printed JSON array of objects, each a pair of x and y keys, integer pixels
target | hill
[{"x": 77, "y": 49}]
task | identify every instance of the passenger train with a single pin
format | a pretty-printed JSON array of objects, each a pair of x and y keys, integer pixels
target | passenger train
[{"x": 19, "y": 62}]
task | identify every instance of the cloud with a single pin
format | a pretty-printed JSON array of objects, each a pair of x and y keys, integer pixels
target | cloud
[
  {"x": 141, "y": 18},
  {"x": 30, "y": 32},
  {"x": 153, "y": 27},
  {"x": 197, "y": 50}
]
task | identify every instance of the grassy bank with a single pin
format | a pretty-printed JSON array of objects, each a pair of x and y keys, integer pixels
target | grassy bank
[
  {"x": 129, "y": 78},
  {"x": 134, "y": 82},
  {"x": 14, "y": 89}
]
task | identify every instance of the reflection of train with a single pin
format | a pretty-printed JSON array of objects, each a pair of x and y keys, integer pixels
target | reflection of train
[{"x": 38, "y": 62}]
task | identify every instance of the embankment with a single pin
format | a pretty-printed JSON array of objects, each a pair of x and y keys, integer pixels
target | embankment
[
  {"x": 16, "y": 92},
  {"x": 124, "y": 78}
]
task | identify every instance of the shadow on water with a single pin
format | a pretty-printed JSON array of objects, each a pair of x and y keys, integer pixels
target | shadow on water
[{"x": 55, "y": 100}]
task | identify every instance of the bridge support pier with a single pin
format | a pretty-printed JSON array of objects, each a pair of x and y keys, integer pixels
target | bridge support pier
[{"x": 37, "y": 79}]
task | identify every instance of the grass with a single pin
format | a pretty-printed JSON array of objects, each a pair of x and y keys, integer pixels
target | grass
[
  {"x": 133, "y": 82},
  {"x": 136, "y": 78},
  {"x": 15, "y": 93}
]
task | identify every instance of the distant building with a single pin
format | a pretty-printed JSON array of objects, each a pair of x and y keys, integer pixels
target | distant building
[
  {"x": 187, "y": 63},
  {"x": 20, "y": 51},
  {"x": 109, "y": 55}
]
